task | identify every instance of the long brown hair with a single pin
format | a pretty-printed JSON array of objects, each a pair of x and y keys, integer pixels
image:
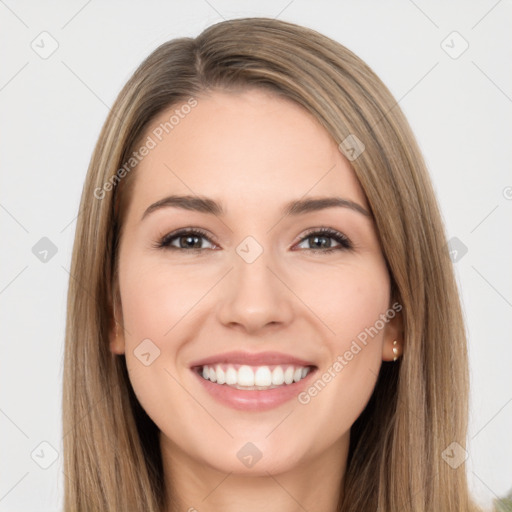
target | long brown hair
[{"x": 112, "y": 460}]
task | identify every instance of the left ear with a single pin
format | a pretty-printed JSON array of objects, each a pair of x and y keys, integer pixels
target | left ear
[{"x": 393, "y": 337}]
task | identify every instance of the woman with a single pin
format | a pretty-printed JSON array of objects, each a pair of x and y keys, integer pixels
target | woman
[{"x": 262, "y": 313}]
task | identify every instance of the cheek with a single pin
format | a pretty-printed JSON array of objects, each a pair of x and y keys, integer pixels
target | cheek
[
  {"x": 155, "y": 300},
  {"x": 350, "y": 301},
  {"x": 347, "y": 298},
  {"x": 157, "y": 297}
]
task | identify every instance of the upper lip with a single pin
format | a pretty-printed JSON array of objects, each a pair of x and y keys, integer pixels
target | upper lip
[{"x": 252, "y": 359}]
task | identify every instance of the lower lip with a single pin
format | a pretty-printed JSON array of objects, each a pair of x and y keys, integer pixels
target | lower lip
[{"x": 254, "y": 400}]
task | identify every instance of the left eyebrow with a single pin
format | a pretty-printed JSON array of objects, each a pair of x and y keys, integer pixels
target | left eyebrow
[
  {"x": 297, "y": 207},
  {"x": 320, "y": 203}
]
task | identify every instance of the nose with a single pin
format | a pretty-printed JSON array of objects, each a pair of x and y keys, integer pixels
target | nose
[{"x": 254, "y": 296}]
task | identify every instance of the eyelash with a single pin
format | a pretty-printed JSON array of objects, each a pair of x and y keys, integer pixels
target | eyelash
[{"x": 345, "y": 244}]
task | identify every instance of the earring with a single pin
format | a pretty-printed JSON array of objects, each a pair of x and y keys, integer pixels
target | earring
[{"x": 395, "y": 350}]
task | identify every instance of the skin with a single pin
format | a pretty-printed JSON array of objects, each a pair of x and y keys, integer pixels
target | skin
[{"x": 252, "y": 151}]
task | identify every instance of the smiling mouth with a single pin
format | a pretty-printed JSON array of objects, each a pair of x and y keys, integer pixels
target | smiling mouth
[{"x": 249, "y": 378}]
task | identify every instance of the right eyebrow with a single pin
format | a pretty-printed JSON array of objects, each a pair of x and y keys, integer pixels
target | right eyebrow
[{"x": 195, "y": 203}]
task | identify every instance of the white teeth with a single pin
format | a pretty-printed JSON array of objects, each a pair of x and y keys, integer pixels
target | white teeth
[
  {"x": 263, "y": 377},
  {"x": 221, "y": 376},
  {"x": 245, "y": 376},
  {"x": 231, "y": 376},
  {"x": 277, "y": 376},
  {"x": 288, "y": 375},
  {"x": 259, "y": 377}
]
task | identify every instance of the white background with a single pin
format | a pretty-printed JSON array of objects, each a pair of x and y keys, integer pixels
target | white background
[{"x": 51, "y": 112}]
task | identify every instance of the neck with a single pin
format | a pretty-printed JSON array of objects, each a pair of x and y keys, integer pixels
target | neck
[{"x": 312, "y": 484}]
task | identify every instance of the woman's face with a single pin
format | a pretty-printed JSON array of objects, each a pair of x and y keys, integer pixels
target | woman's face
[{"x": 259, "y": 296}]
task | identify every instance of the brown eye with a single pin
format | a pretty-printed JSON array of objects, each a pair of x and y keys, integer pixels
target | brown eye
[
  {"x": 186, "y": 239},
  {"x": 321, "y": 240}
]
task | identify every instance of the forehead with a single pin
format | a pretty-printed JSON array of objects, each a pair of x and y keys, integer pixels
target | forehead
[{"x": 250, "y": 148}]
